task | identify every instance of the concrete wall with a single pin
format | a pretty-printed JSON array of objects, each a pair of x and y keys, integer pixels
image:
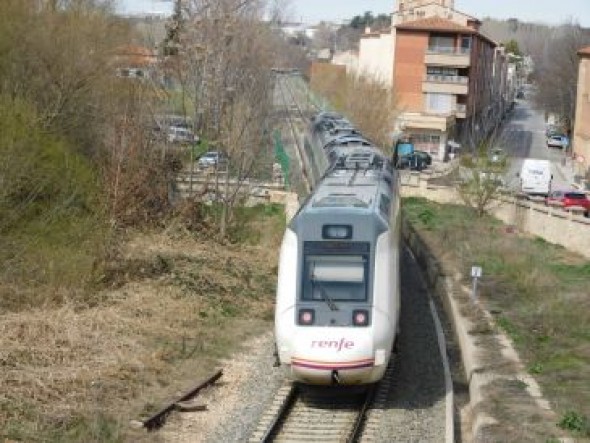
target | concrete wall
[
  {"x": 377, "y": 57},
  {"x": 348, "y": 59},
  {"x": 567, "y": 229}
]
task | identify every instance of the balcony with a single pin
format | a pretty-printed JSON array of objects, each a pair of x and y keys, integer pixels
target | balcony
[
  {"x": 460, "y": 110},
  {"x": 445, "y": 56},
  {"x": 426, "y": 120},
  {"x": 446, "y": 84}
]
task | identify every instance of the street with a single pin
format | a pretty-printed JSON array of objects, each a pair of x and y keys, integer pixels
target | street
[{"x": 524, "y": 137}]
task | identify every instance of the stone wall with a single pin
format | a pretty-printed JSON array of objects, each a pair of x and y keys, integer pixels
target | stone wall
[{"x": 555, "y": 225}]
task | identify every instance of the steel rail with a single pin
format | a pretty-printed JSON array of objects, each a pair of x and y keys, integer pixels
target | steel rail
[
  {"x": 281, "y": 414},
  {"x": 159, "y": 418},
  {"x": 357, "y": 429},
  {"x": 303, "y": 160}
]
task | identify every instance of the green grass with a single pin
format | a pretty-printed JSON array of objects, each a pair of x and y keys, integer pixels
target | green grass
[
  {"x": 573, "y": 421},
  {"x": 538, "y": 290}
]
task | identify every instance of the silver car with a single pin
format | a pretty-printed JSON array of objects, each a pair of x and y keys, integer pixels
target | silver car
[
  {"x": 557, "y": 141},
  {"x": 212, "y": 159},
  {"x": 179, "y": 134}
]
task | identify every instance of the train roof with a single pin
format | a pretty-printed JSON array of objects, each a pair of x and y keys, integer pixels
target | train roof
[
  {"x": 347, "y": 140},
  {"x": 355, "y": 181}
]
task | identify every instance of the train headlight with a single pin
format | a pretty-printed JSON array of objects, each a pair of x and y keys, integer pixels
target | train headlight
[
  {"x": 306, "y": 317},
  {"x": 360, "y": 317},
  {"x": 337, "y": 232}
]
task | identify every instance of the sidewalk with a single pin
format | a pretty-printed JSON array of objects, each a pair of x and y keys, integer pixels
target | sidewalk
[{"x": 566, "y": 169}]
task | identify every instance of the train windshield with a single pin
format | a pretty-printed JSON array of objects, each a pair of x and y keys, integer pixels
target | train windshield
[{"x": 335, "y": 278}]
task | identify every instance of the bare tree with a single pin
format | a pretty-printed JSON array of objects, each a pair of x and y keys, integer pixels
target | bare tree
[
  {"x": 279, "y": 11},
  {"x": 557, "y": 72},
  {"x": 481, "y": 178},
  {"x": 372, "y": 106},
  {"x": 227, "y": 61},
  {"x": 366, "y": 101}
]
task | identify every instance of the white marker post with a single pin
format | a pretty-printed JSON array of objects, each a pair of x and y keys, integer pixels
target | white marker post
[{"x": 476, "y": 273}]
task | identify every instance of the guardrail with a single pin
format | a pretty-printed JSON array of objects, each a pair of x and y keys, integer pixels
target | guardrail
[{"x": 209, "y": 187}]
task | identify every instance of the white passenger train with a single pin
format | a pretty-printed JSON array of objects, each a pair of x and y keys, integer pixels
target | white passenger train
[{"x": 338, "y": 302}]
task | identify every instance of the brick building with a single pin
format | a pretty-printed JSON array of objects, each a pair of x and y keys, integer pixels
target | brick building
[
  {"x": 581, "y": 142},
  {"x": 451, "y": 82}
]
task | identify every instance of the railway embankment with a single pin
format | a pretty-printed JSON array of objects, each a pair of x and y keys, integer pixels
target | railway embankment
[{"x": 505, "y": 400}]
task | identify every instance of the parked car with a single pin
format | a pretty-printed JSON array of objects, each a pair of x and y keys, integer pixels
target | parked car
[
  {"x": 557, "y": 141},
  {"x": 416, "y": 161},
  {"x": 569, "y": 199},
  {"x": 425, "y": 157},
  {"x": 212, "y": 159},
  {"x": 181, "y": 135},
  {"x": 552, "y": 130}
]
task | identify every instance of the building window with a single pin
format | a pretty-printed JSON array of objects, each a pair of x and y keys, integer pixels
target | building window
[
  {"x": 427, "y": 142},
  {"x": 441, "y": 43},
  {"x": 439, "y": 103},
  {"x": 441, "y": 70},
  {"x": 465, "y": 43}
]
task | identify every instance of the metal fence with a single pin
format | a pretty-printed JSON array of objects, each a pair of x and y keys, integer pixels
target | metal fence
[{"x": 281, "y": 157}]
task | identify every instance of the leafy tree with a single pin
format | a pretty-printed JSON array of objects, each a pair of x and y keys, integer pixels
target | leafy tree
[
  {"x": 512, "y": 47},
  {"x": 360, "y": 22}
]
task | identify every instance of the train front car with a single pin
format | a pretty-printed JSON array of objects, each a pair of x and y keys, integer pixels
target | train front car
[{"x": 337, "y": 306}]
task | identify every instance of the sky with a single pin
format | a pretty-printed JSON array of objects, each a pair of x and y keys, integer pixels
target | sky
[{"x": 551, "y": 12}]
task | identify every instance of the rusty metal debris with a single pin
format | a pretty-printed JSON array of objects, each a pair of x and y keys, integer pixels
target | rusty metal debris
[{"x": 159, "y": 418}]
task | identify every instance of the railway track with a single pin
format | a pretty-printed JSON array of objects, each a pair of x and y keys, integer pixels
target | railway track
[
  {"x": 295, "y": 120},
  {"x": 329, "y": 414},
  {"x": 314, "y": 414},
  {"x": 297, "y": 108}
]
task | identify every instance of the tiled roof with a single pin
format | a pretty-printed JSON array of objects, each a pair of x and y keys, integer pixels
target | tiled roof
[
  {"x": 584, "y": 51},
  {"x": 436, "y": 24}
]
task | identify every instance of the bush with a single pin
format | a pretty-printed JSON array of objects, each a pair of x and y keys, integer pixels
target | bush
[{"x": 51, "y": 223}]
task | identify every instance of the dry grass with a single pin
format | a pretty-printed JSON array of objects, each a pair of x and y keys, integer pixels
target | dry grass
[{"x": 72, "y": 374}]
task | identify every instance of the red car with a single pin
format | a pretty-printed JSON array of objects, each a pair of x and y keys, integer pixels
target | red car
[{"x": 568, "y": 199}]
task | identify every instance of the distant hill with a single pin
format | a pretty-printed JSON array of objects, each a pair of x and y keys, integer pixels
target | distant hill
[{"x": 532, "y": 38}]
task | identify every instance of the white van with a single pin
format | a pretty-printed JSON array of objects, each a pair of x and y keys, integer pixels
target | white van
[{"x": 535, "y": 177}]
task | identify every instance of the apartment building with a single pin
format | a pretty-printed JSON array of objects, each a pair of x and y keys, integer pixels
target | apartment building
[
  {"x": 581, "y": 142},
  {"x": 448, "y": 81},
  {"x": 452, "y": 84}
]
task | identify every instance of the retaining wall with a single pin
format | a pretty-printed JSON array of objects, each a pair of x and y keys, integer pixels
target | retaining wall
[{"x": 553, "y": 224}]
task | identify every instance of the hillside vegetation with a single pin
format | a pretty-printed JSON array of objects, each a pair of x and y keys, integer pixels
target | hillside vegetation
[{"x": 110, "y": 295}]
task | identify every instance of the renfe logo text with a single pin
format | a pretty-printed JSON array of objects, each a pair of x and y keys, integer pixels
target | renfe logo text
[{"x": 333, "y": 344}]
